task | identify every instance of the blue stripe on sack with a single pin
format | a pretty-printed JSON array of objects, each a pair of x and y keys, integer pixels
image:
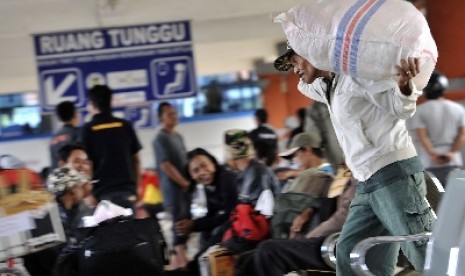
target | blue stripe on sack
[
  {"x": 341, "y": 29},
  {"x": 358, "y": 33}
]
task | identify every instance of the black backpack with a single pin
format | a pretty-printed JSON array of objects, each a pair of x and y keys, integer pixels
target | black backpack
[{"x": 116, "y": 247}]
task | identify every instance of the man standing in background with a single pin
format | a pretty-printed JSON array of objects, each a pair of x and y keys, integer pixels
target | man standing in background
[
  {"x": 171, "y": 163},
  {"x": 67, "y": 134},
  {"x": 440, "y": 126},
  {"x": 264, "y": 138},
  {"x": 113, "y": 147}
]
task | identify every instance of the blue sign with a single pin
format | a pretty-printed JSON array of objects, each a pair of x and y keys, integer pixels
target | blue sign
[
  {"x": 139, "y": 63},
  {"x": 140, "y": 116}
]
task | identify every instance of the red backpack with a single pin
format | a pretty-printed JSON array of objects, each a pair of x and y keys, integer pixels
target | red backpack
[{"x": 248, "y": 224}]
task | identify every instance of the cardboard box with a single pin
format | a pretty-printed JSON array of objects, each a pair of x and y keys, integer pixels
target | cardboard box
[{"x": 221, "y": 263}]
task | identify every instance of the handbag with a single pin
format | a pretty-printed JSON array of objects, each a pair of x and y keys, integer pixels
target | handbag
[
  {"x": 248, "y": 228},
  {"x": 117, "y": 247}
]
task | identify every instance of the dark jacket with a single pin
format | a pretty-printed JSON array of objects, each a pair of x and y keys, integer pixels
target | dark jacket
[
  {"x": 254, "y": 180},
  {"x": 221, "y": 199},
  {"x": 66, "y": 135}
]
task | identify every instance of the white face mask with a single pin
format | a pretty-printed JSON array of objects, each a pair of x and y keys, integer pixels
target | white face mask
[{"x": 297, "y": 162}]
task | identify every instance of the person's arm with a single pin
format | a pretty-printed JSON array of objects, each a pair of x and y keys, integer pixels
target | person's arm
[
  {"x": 287, "y": 174},
  {"x": 161, "y": 146},
  {"x": 300, "y": 221},
  {"x": 335, "y": 222},
  {"x": 398, "y": 99},
  {"x": 174, "y": 174},
  {"x": 422, "y": 135},
  {"x": 135, "y": 149},
  {"x": 459, "y": 143},
  {"x": 137, "y": 170}
]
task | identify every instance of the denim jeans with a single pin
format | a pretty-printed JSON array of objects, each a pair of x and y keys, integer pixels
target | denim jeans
[{"x": 399, "y": 208}]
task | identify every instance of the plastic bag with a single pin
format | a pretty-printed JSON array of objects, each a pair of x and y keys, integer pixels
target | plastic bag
[{"x": 364, "y": 39}]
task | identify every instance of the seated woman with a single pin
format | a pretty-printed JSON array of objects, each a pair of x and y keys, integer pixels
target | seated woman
[{"x": 221, "y": 195}]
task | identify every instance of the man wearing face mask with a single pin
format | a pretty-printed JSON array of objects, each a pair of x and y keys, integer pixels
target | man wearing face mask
[
  {"x": 306, "y": 153},
  {"x": 369, "y": 120}
]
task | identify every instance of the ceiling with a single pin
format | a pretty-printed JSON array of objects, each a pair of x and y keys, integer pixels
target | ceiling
[{"x": 229, "y": 35}]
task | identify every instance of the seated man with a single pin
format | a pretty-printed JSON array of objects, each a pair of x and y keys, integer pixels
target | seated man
[
  {"x": 278, "y": 257},
  {"x": 252, "y": 179},
  {"x": 65, "y": 183},
  {"x": 74, "y": 156},
  {"x": 307, "y": 153},
  {"x": 313, "y": 182}
]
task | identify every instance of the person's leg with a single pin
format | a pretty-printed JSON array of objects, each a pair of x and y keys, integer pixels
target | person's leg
[
  {"x": 153, "y": 209},
  {"x": 363, "y": 223},
  {"x": 278, "y": 257},
  {"x": 404, "y": 210},
  {"x": 245, "y": 265},
  {"x": 181, "y": 210}
]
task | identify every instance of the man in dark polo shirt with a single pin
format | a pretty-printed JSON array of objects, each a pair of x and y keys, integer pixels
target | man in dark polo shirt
[
  {"x": 67, "y": 134},
  {"x": 112, "y": 146},
  {"x": 264, "y": 138}
]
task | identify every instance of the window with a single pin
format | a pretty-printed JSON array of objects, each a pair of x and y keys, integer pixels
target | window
[
  {"x": 20, "y": 116},
  {"x": 221, "y": 94},
  {"x": 20, "y": 113}
]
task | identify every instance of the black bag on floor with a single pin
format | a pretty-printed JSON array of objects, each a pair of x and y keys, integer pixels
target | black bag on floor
[{"x": 117, "y": 247}]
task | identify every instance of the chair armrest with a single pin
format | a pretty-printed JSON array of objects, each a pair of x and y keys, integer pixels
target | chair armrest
[
  {"x": 328, "y": 250},
  {"x": 357, "y": 256}
]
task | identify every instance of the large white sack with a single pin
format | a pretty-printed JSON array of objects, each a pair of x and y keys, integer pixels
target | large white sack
[{"x": 364, "y": 38}]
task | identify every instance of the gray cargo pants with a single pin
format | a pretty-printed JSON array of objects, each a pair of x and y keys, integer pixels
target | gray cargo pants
[{"x": 399, "y": 208}]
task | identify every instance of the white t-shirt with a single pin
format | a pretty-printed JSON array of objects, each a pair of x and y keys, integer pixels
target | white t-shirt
[{"x": 441, "y": 118}]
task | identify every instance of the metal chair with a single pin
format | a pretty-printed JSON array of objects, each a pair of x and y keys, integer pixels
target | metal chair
[
  {"x": 328, "y": 250},
  {"x": 443, "y": 256}
]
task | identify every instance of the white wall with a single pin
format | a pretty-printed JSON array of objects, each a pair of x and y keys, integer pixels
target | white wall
[{"x": 205, "y": 134}]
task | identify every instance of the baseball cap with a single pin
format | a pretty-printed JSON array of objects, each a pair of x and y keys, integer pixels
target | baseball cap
[
  {"x": 63, "y": 179},
  {"x": 283, "y": 62},
  {"x": 237, "y": 144},
  {"x": 301, "y": 140}
]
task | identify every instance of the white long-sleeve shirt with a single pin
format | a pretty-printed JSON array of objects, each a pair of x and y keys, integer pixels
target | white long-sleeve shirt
[{"x": 369, "y": 120}]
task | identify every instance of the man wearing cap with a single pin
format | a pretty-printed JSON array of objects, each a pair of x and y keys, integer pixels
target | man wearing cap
[
  {"x": 307, "y": 153},
  {"x": 253, "y": 179},
  {"x": 369, "y": 120},
  {"x": 74, "y": 156},
  {"x": 65, "y": 183},
  {"x": 254, "y": 176},
  {"x": 264, "y": 138},
  {"x": 314, "y": 178}
]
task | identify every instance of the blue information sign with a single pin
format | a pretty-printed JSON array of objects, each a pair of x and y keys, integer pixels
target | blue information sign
[
  {"x": 140, "y": 116},
  {"x": 139, "y": 63}
]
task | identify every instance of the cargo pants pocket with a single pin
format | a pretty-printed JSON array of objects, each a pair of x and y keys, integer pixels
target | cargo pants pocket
[{"x": 419, "y": 213}]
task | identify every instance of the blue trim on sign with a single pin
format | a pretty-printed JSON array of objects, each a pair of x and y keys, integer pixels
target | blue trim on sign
[
  {"x": 358, "y": 33},
  {"x": 341, "y": 29},
  {"x": 24, "y": 137}
]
